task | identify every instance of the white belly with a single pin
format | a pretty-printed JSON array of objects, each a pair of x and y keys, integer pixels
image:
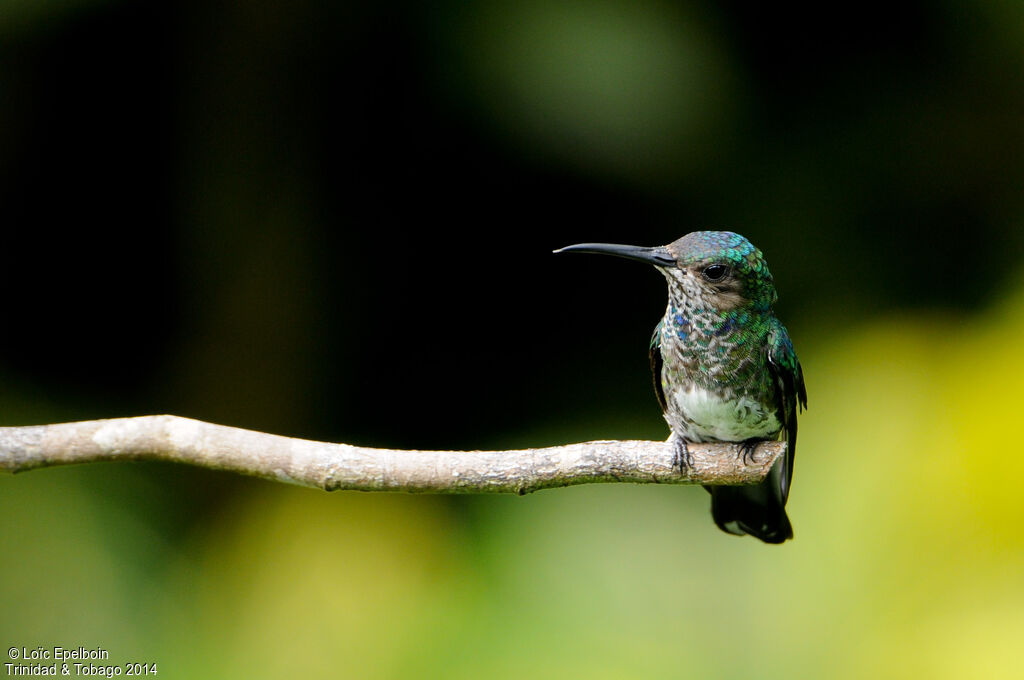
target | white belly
[{"x": 707, "y": 417}]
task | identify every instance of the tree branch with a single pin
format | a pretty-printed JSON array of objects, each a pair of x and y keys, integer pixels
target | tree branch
[{"x": 342, "y": 466}]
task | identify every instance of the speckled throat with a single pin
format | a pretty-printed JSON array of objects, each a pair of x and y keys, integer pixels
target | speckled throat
[{"x": 715, "y": 375}]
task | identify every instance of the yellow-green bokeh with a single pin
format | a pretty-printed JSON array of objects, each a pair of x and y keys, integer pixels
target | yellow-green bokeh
[
  {"x": 907, "y": 558},
  {"x": 323, "y": 164}
]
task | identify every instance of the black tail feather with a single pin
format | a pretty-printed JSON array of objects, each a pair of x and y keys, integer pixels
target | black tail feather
[{"x": 758, "y": 510}]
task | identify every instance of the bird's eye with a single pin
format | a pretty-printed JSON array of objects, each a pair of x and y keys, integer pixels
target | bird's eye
[{"x": 715, "y": 272}]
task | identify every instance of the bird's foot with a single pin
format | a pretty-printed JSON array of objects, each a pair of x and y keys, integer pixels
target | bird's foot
[
  {"x": 748, "y": 450},
  {"x": 681, "y": 459}
]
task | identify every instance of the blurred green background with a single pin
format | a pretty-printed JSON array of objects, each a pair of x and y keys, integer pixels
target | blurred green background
[{"x": 334, "y": 221}]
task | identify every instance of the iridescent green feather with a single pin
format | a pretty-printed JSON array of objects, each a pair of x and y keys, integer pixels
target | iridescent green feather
[{"x": 792, "y": 394}]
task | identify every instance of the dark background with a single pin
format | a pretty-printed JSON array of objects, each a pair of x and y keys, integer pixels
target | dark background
[
  {"x": 342, "y": 212},
  {"x": 335, "y": 220}
]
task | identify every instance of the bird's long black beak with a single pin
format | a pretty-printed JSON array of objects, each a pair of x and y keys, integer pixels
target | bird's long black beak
[{"x": 658, "y": 256}]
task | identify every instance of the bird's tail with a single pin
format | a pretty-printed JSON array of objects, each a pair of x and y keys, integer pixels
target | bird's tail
[{"x": 758, "y": 510}]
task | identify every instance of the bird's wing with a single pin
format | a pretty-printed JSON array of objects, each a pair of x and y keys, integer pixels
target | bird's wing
[
  {"x": 792, "y": 394},
  {"x": 654, "y": 354}
]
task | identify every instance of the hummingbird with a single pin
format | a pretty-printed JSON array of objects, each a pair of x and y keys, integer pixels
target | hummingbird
[{"x": 724, "y": 367}]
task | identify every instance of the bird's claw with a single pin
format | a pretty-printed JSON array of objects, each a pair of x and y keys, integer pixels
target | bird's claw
[
  {"x": 748, "y": 451},
  {"x": 681, "y": 458}
]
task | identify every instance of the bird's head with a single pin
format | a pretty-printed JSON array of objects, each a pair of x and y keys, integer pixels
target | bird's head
[{"x": 717, "y": 269}]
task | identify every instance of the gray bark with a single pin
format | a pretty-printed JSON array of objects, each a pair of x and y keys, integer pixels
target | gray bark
[{"x": 342, "y": 466}]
